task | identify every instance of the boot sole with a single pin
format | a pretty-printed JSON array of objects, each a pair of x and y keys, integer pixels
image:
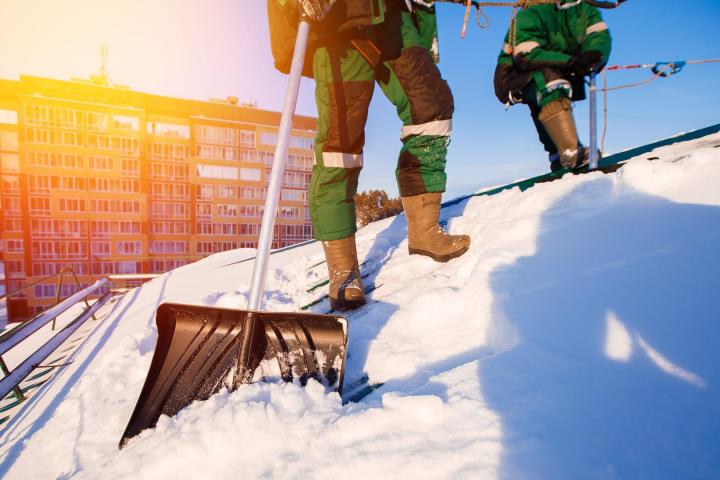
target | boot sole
[
  {"x": 438, "y": 258},
  {"x": 341, "y": 305}
]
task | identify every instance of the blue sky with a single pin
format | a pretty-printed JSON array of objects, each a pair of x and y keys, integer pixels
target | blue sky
[{"x": 215, "y": 48}]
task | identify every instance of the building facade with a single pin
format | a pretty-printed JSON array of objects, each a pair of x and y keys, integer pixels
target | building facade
[{"x": 105, "y": 180}]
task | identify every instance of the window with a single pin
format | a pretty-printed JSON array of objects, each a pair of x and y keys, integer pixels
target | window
[
  {"x": 296, "y": 232},
  {"x": 170, "y": 210},
  {"x": 73, "y": 139},
  {"x": 39, "y": 206},
  {"x": 56, "y": 229},
  {"x": 204, "y": 192},
  {"x": 72, "y": 204},
  {"x": 13, "y": 225},
  {"x": 204, "y": 229},
  {"x": 126, "y": 267},
  {"x": 14, "y": 268},
  {"x": 269, "y": 139},
  {"x": 44, "y": 291},
  {"x": 294, "y": 195},
  {"x": 226, "y": 191},
  {"x": 306, "y": 143},
  {"x": 216, "y": 171},
  {"x": 169, "y": 228},
  {"x": 168, "y": 151},
  {"x": 130, "y": 168},
  {"x": 54, "y": 117},
  {"x": 168, "y": 171},
  {"x": 8, "y": 116},
  {"x": 227, "y": 210},
  {"x": 67, "y": 183},
  {"x": 14, "y": 246},
  {"x": 169, "y": 246},
  {"x": 266, "y": 158},
  {"x": 97, "y": 122},
  {"x": 55, "y": 250},
  {"x": 9, "y": 141},
  {"x": 10, "y": 185},
  {"x": 101, "y": 142},
  {"x": 34, "y": 135},
  {"x": 101, "y": 163},
  {"x": 100, "y": 249},
  {"x": 216, "y": 135},
  {"x": 250, "y": 174},
  {"x": 168, "y": 130},
  {"x": 37, "y": 115},
  {"x": 47, "y": 159},
  {"x": 253, "y": 193},
  {"x": 125, "y": 122},
  {"x": 128, "y": 228},
  {"x": 299, "y": 162},
  {"x": 289, "y": 212},
  {"x": 296, "y": 179},
  {"x": 162, "y": 266},
  {"x": 252, "y": 229},
  {"x": 225, "y": 229},
  {"x": 9, "y": 163},
  {"x": 247, "y": 138},
  {"x": 249, "y": 156},
  {"x": 203, "y": 211},
  {"x": 129, "y": 247},
  {"x": 126, "y": 146},
  {"x": 170, "y": 191},
  {"x": 214, "y": 152},
  {"x": 296, "y": 141},
  {"x": 11, "y": 205},
  {"x": 208, "y": 152},
  {"x": 250, "y": 210},
  {"x": 114, "y": 206},
  {"x": 207, "y": 248}
]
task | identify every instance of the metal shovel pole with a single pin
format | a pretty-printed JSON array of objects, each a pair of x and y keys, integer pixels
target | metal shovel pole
[
  {"x": 260, "y": 268},
  {"x": 278, "y": 170},
  {"x": 593, "y": 158}
]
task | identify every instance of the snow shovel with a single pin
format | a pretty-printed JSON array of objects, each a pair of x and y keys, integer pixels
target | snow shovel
[{"x": 203, "y": 349}]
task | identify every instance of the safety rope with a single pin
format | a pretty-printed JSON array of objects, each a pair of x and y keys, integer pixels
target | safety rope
[
  {"x": 516, "y": 6},
  {"x": 659, "y": 70}
]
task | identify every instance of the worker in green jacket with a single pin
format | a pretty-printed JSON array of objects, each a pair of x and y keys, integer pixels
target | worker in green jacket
[
  {"x": 544, "y": 65},
  {"x": 353, "y": 45}
]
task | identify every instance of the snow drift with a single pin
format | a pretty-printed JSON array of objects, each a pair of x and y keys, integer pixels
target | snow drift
[{"x": 577, "y": 338}]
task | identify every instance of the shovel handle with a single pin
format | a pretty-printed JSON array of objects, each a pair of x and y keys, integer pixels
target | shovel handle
[
  {"x": 278, "y": 169},
  {"x": 248, "y": 335}
]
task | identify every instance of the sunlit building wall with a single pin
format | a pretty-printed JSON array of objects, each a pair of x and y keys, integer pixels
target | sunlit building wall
[{"x": 105, "y": 180}]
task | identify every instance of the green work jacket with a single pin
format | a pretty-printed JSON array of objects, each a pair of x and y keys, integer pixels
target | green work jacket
[{"x": 548, "y": 36}]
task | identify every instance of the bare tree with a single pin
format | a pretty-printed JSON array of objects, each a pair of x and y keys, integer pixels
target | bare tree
[{"x": 375, "y": 205}]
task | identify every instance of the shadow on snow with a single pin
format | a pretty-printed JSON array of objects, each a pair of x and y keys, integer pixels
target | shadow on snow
[{"x": 617, "y": 372}]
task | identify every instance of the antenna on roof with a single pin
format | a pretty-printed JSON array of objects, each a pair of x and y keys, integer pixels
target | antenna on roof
[{"x": 103, "y": 76}]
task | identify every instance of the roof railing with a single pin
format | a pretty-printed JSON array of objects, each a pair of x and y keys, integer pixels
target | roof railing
[{"x": 15, "y": 336}]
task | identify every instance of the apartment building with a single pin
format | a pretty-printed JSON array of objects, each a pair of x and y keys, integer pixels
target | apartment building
[{"x": 105, "y": 180}]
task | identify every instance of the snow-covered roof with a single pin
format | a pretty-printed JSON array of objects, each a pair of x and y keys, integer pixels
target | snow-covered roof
[{"x": 577, "y": 338}]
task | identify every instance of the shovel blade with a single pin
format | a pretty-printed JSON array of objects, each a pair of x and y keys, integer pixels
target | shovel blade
[{"x": 197, "y": 350}]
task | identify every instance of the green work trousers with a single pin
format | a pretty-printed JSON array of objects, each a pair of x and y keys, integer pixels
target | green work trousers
[{"x": 345, "y": 81}]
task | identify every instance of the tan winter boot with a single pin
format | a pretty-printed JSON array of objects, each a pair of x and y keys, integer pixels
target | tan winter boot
[
  {"x": 558, "y": 120},
  {"x": 346, "y": 288},
  {"x": 425, "y": 236}
]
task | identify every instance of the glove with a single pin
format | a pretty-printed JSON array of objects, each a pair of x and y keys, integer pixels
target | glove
[
  {"x": 586, "y": 63},
  {"x": 315, "y": 9}
]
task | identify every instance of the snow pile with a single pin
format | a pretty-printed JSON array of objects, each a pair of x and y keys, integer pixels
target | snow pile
[{"x": 577, "y": 338}]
